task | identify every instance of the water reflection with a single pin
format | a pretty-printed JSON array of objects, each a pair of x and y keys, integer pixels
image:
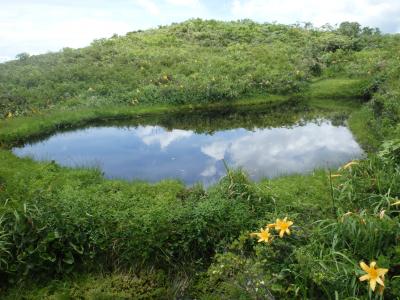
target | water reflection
[
  {"x": 273, "y": 152},
  {"x": 153, "y": 153}
]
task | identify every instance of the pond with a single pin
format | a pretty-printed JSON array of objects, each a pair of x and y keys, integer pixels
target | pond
[{"x": 194, "y": 148}]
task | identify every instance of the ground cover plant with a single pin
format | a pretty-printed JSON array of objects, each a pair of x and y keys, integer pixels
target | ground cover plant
[{"x": 70, "y": 233}]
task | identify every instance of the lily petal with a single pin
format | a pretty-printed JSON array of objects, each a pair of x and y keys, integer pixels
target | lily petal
[
  {"x": 379, "y": 280},
  {"x": 364, "y": 277},
  {"x": 364, "y": 266},
  {"x": 382, "y": 272},
  {"x": 372, "y": 284}
]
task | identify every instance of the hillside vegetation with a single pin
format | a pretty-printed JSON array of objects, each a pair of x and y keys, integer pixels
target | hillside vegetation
[
  {"x": 71, "y": 233},
  {"x": 192, "y": 62}
]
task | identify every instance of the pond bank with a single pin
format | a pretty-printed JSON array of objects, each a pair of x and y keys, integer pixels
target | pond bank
[{"x": 16, "y": 131}]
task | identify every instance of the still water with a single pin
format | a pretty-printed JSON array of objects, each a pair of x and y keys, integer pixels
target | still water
[{"x": 153, "y": 153}]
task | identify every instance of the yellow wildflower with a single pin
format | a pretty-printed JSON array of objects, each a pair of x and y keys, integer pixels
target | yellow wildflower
[
  {"x": 263, "y": 236},
  {"x": 9, "y": 115},
  {"x": 374, "y": 275},
  {"x": 165, "y": 77},
  {"x": 349, "y": 164},
  {"x": 282, "y": 226}
]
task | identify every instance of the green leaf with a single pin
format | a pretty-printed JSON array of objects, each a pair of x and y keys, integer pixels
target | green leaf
[{"x": 69, "y": 258}]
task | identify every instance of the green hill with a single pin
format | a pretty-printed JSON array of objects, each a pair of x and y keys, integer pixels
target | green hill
[{"x": 192, "y": 62}]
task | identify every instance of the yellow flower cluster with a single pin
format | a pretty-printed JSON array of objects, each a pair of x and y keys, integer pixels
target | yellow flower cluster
[
  {"x": 373, "y": 274},
  {"x": 263, "y": 236},
  {"x": 280, "y": 225}
]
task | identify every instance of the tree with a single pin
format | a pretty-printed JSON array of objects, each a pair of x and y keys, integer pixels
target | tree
[
  {"x": 351, "y": 29},
  {"x": 22, "y": 56}
]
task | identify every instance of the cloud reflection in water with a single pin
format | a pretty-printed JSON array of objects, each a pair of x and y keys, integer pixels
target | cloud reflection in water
[
  {"x": 276, "y": 151},
  {"x": 152, "y": 153}
]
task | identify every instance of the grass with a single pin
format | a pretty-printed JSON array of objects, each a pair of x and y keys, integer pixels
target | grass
[
  {"x": 336, "y": 88},
  {"x": 15, "y": 131},
  {"x": 370, "y": 139},
  {"x": 307, "y": 195},
  {"x": 291, "y": 194}
]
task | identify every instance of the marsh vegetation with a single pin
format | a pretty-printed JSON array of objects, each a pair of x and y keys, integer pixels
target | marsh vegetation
[{"x": 71, "y": 233}]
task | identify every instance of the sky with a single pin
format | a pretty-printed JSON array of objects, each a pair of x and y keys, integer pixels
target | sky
[{"x": 40, "y": 26}]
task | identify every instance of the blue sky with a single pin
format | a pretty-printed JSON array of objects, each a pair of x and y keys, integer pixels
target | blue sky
[{"x": 39, "y": 26}]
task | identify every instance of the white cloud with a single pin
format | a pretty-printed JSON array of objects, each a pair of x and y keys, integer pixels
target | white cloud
[
  {"x": 375, "y": 13},
  {"x": 46, "y": 25},
  {"x": 277, "y": 151},
  {"x": 209, "y": 171},
  {"x": 39, "y": 27},
  {"x": 5, "y": 58},
  {"x": 150, "y": 6},
  {"x": 157, "y": 135},
  {"x": 190, "y": 3},
  {"x": 216, "y": 150}
]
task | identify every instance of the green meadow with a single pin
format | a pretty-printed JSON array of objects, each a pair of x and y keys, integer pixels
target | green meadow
[{"x": 70, "y": 233}]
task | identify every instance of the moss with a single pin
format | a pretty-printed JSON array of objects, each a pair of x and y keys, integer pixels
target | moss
[
  {"x": 145, "y": 285},
  {"x": 336, "y": 88},
  {"x": 364, "y": 127}
]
